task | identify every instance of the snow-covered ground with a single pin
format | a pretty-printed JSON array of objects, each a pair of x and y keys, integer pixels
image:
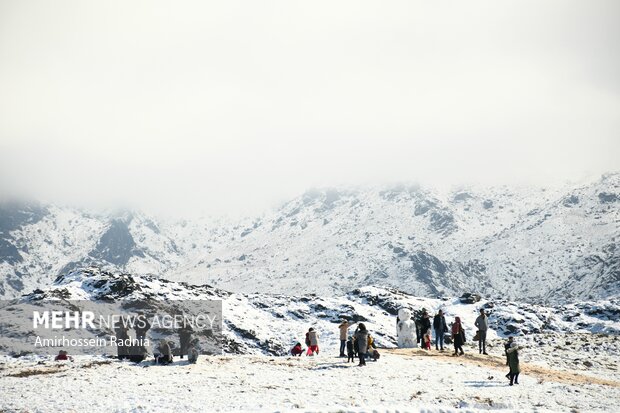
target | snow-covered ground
[
  {"x": 402, "y": 380},
  {"x": 570, "y": 362}
]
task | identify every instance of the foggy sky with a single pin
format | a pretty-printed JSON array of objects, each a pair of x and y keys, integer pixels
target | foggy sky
[{"x": 233, "y": 106}]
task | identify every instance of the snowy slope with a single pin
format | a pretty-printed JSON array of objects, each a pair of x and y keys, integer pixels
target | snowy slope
[
  {"x": 521, "y": 243},
  {"x": 271, "y": 324}
]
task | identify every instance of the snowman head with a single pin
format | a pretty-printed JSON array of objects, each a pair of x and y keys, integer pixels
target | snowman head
[{"x": 404, "y": 314}]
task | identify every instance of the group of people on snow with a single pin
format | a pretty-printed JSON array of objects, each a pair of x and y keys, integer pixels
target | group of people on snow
[
  {"x": 424, "y": 330},
  {"x": 360, "y": 344},
  {"x": 187, "y": 346},
  {"x": 163, "y": 353}
]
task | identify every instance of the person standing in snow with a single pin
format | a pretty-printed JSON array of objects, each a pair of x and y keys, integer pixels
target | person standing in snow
[
  {"x": 312, "y": 340},
  {"x": 506, "y": 347},
  {"x": 458, "y": 337},
  {"x": 426, "y": 340},
  {"x": 122, "y": 337},
  {"x": 185, "y": 336},
  {"x": 440, "y": 327},
  {"x": 350, "y": 350},
  {"x": 361, "y": 338},
  {"x": 137, "y": 353},
  {"x": 513, "y": 362},
  {"x": 141, "y": 327},
  {"x": 482, "y": 323},
  {"x": 424, "y": 326},
  {"x": 344, "y": 332}
]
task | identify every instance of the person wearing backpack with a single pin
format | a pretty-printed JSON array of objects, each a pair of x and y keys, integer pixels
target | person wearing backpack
[{"x": 458, "y": 337}]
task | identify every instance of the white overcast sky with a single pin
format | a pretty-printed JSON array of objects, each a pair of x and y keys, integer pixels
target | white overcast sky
[{"x": 233, "y": 106}]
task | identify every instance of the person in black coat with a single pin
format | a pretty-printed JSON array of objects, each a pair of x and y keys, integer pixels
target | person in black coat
[
  {"x": 122, "y": 337},
  {"x": 440, "y": 327},
  {"x": 424, "y": 325},
  {"x": 141, "y": 327}
]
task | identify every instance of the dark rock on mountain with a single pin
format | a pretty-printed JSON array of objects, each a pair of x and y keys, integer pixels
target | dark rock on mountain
[
  {"x": 470, "y": 298},
  {"x": 570, "y": 201},
  {"x": 607, "y": 197},
  {"x": 487, "y": 204},
  {"x": 116, "y": 245}
]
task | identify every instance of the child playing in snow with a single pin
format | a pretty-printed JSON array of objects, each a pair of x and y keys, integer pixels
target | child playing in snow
[
  {"x": 350, "y": 350},
  {"x": 297, "y": 351},
  {"x": 63, "y": 356},
  {"x": 426, "y": 341}
]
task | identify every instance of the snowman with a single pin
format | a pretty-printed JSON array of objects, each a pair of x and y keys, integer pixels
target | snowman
[{"x": 406, "y": 329}]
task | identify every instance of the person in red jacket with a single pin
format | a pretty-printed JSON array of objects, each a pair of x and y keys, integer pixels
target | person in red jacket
[
  {"x": 297, "y": 351},
  {"x": 458, "y": 337},
  {"x": 63, "y": 356},
  {"x": 426, "y": 341}
]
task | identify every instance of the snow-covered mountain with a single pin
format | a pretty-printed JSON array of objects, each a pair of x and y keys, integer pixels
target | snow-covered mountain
[{"x": 533, "y": 244}]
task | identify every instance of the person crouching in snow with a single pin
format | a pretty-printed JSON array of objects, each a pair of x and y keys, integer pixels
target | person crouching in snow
[
  {"x": 194, "y": 351},
  {"x": 164, "y": 354},
  {"x": 297, "y": 351},
  {"x": 312, "y": 340},
  {"x": 63, "y": 356}
]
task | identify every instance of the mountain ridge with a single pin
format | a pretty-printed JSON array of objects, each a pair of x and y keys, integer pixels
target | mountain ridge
[{"x": 533, "y": 244}]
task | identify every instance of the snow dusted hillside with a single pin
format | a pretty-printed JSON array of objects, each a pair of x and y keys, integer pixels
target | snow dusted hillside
[
  {"x": 271, "y": 324},
  {"x": 38, "y": 243},
  {"x": 526, "y": 244},
  {"x": 533, "y": 244}
]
